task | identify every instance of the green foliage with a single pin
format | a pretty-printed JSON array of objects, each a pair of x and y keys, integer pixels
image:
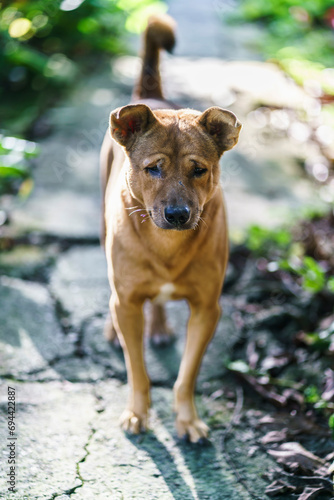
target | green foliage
[
  {"x": 278, "y": 247},
  {"x": 321, "y": 341},
  {"x": 330, "y": 284},
  {"x": 313, "y": 397},
  {"x": 47, "y": 44},
  {"x": 139, "y": 11},
  {"x": 311, "y": 394},
  {"x": 263, "y": 240},
  {"x": 299, "y": 35},
  {"x": 312, "y": 274},
  {"x": 238, "y": 366},
  {"x": 14, "y": 165},
  {"x": 331, "y": 424}
]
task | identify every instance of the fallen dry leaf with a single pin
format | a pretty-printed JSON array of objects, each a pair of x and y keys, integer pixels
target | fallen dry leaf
[
  {"x": 275, "y": 436},
  {"x": 298, "y": 424},
  {"x": 278, "y": 488},
  {"x": 328, "y": 394},
  {"x": 278, "y": 361},
  {"x": 296, "y": 458},
  {"x": 266, "y": 393},
  {"x": 310, "y": 493}
]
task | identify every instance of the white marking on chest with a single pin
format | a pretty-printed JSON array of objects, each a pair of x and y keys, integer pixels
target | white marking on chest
[{"x": 165, "y": 293}]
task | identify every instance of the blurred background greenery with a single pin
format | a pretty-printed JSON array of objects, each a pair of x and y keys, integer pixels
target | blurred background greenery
[
  {"x": 299, "y": 37},
  {"x": 297, "y": 29},
  {"x": 46, "y": 45}
]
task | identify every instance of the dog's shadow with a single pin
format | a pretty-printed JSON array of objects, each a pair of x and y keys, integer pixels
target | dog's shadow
[{"x": 190, "y": 471}]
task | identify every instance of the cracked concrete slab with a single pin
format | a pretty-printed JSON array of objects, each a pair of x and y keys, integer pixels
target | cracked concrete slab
[
  {"x": 70, "y": 445},
  {"x": 79, "y": 283},
  {"x": 30, "y": 336},
  {"x": 53, "y": 427},
  {"x": 78, "y": 369},
  {"x": 158, "y": 465}
]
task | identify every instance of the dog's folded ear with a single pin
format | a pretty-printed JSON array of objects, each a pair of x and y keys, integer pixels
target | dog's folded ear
[
  {"x": 222, "y": 125},
  {"x": 128, "y": 122}
]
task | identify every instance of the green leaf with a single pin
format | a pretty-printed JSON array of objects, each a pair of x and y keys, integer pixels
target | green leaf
[
  {"x": 136, "y": 21},
  {"x": 331, "y": 423},
  {"x": 320, "y": 340},
  {"x": 330, "y": 284},
  {"x": 314, "y": 277},
  {"x": 239, "y": 366},
  {"x": 311, "y": 394},
  {"x": 13, "y": 171},
  {"x": 263, "y": 240}
]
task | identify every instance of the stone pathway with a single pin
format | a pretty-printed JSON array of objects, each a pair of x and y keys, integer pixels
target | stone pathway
[{"x": 70, "y": 384}]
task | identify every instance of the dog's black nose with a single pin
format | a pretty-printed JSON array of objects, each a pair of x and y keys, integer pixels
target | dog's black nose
[{"x": 177, "y": 215}]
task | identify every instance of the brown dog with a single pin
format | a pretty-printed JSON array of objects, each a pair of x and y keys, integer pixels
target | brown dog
[{"x": 165, "y": 227}]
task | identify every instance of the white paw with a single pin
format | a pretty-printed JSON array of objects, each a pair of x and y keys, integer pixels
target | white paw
[{"x": 133, "y": 423}]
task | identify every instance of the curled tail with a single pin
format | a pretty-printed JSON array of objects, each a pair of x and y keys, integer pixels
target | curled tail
[{"x": 159, "y": 34}]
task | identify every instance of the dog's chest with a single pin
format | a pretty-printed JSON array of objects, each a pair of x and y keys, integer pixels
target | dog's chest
[{"x": 165, "y": 293}]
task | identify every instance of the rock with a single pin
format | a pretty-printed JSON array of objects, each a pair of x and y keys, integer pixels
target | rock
[{"x": 30, "y": 336}]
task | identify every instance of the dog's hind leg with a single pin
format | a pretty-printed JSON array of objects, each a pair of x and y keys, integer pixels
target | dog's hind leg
[
  {"x": 156, "y": 325},
  {"x": 110, "y": 333}
]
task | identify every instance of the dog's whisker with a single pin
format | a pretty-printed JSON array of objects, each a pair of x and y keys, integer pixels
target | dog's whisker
[
  {"x": 131, "y": 208},
  {"x": 145, "y": 217},
  {"x": 201, "y": 219},
  {"x": 138, "y": 210}
]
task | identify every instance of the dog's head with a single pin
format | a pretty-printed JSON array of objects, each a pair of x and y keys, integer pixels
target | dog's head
[{"x": 173, "y": 158}]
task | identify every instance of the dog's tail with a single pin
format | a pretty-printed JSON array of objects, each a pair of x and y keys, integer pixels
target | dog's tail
[{"x": 159, "y": 34}]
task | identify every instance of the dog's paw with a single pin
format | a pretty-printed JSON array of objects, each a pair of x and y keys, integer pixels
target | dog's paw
[
  {"x": 196, "y": 431},
  {"x": 132, "y": 423}
]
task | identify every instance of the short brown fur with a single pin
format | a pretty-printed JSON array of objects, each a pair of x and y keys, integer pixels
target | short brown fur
[{"x": 165, "y": 229}]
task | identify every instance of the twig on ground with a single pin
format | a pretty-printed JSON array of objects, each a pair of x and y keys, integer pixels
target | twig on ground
[{"x": 234, "y": 420}]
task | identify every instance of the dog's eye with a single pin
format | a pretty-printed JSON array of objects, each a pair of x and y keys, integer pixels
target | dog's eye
[
  {"x": 153, "y": 171},
  {"x": 198, "y": 171}
]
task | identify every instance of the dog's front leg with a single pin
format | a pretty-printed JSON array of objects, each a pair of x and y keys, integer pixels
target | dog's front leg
[
  {"x": 128, "y": 321},
  {"x": 201, "y": 327}
]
